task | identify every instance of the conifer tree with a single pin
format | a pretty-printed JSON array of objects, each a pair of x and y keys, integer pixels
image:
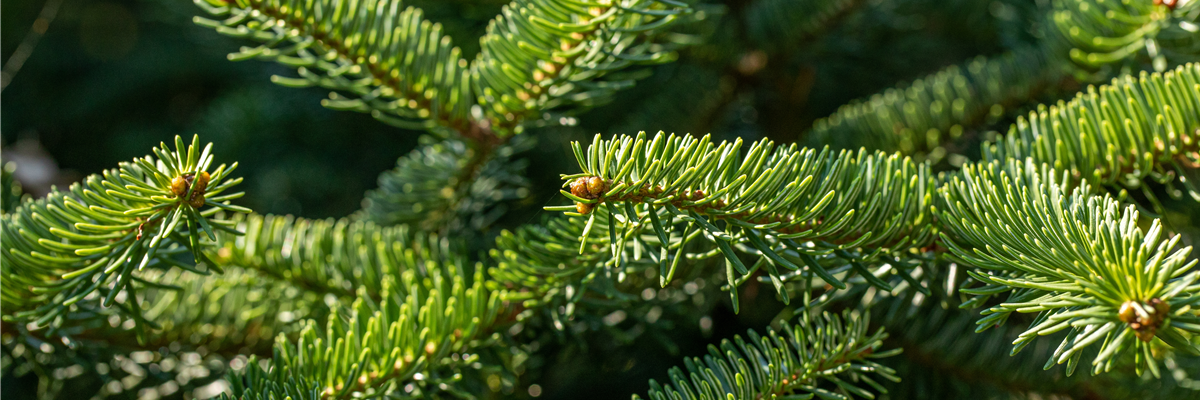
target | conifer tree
[{"x": 1005, "y": 220}]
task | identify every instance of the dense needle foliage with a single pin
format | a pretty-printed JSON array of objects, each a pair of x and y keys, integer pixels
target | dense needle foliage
[{"x": 585, "y": 191}]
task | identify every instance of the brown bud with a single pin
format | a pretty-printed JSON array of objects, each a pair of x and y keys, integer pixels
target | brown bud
[
  {"x": 180, "y": 184},
  {"x": 1161, "y": 308},
  {"x": 198, "y": 184},
  {"x": 589, "y": 187},
  {"x": 584, "y": 208},
  {"x": 202, "y": 181},
  {"x": 596, "y": 186},
  {"x": 579, "y": 188},
  {"x": 1126, "y": 313}
]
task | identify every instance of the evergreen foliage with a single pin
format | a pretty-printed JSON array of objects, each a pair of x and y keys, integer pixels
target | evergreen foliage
[
  {"x": 921, "y": 116},
  {"x": 829, "y": 348},
  {"x": 537, "y": 56},
  {"x": 1108, "y": 32},
  {"x": 412, "y": 302},
  {"x": 541, "y": 55},
  {"x": 1077, "y": 261},
  {"x": 78, "y": 250},
  {"x": 1119, "y": 134},
  {"x": 420, "y": 295},
  {"x": 825, "y": 211},
  {"x": 225, "y": 313},
  {"x": 396, "y": 65},
  {"x": 338, "y": 257},
  {"x": 414, "y": 193}
]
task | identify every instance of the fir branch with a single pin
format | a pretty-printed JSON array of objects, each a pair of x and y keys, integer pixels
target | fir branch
[
  {"x": 1108, "y": 32},
  {"x": 824, "y": 350},
  {"x": 385, "y": 57},
  {"x": 229, "y": 313},
  {"x": 339, "y": 257},
  {"x": 793, "y": 206},
  {"x": 80, "y": 249},
  {"x": 545, "y": 55},
  {"x": 415, "y": 303},
  {"x": 376, "y": 348},
  {"x": 437, "y": 188},
  {"x": 540, "y": 264},
  {"x": 257, "y": 383},
  {"x": 238, "y": 311},
  {"x": 921, "y": 116},
  {"x": 945, "y": 358},
  {"x": 1119, "y": 134},
  {"x": 1074, "y": 259},
  {"x": 538, "y": 55}
]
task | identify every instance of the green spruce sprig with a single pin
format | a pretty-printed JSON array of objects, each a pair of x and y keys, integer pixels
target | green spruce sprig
[
  {"x": 386, "y": 59},
  {"x": 540, "y": 56},
  {"x": 1101, "y": 33},
  {"x": 331, "y": 256},
  {"x": 436, "y": 187},
  {"x": 793, "y": 363},
  {"x": 413, "y": 298},
  {"x": 378, "y": 56},
  {"x": 832, "y": 213},
  {"x": 1119, "y": 135},
  {"x": 1076, "y": 260},
  {"x": 88, "y": 246},
  {"x": 921, "y": 116},
  {"x": 379, "y": 347}
]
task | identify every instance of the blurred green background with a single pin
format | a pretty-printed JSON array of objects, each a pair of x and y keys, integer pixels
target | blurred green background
[{"x": 110, "y": 79}]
